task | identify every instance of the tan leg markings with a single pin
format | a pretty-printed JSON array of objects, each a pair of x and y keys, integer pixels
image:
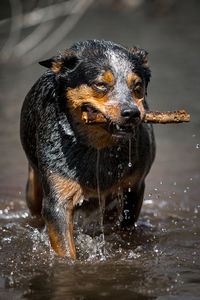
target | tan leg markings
[
  {"x": 55, "y": 240},
  {"x": 70, "y": 238}
]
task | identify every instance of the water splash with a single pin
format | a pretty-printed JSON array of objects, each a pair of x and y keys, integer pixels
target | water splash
[{"x": 129, "y": 154}]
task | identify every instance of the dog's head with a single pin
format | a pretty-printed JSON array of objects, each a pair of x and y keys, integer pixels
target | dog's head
[{"x": 103, "y": 79}]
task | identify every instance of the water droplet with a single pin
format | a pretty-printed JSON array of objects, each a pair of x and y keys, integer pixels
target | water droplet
[
  {"x": 129, "y": 154},
  {"x": 156, "y": 250},
  {"x": 120, "y": 166},
  {"x": 133, "y": 255},
  {"x": 126, "y": 211},
  {"x": 197, "y": 146},
  {"x": 11, "y": 280},
  {"x": 148, "y": 201}
]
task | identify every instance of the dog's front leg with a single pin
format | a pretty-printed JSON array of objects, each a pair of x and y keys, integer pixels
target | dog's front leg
[
  {"x": 59, "y": 221},
  {"x": 61, "y": 196}
]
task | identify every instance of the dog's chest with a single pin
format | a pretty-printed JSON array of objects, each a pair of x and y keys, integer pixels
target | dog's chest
[
  {"x": 103, "y": 168},
  {"x": 90, "y": 167}
]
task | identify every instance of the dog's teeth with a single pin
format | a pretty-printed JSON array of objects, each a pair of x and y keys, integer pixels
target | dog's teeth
[{"x": 117, "y": 126}]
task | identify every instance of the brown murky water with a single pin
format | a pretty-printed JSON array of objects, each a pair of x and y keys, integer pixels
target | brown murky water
[{"x": 160, "y": 259}]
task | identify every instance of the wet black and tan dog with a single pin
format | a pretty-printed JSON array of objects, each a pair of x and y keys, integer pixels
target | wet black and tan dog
[{"x": 62, "y": 150}]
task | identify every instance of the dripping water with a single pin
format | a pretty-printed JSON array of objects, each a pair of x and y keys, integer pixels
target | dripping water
[
  {"x": 129, "y": 153},
  {"x": 119, "y": 207},
  {"x": 101, "y": 199}
]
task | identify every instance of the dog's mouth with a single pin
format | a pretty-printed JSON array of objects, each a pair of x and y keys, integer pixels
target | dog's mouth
[
  {"x": 119, "y": 131},
  {"x": 92, "y": 116}
]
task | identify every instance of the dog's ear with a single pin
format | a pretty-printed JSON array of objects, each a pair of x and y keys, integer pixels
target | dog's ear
[
  {"x": 54, "y": 63},
  {"x": 67, "y": 61},
  {"x": 140, "y": 53},
  {"x": 141, "y": 56}
]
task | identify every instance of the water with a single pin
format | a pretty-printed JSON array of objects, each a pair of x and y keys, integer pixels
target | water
[
  {"x": 100, "y": 198},
  {"x": 160, "y": 258},
  {"x": 129, "y": 153}
]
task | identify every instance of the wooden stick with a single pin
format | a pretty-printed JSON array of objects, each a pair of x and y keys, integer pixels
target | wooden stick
[
  {"x": 90, "y": 117},
  {"x": 178, "y": 116}
]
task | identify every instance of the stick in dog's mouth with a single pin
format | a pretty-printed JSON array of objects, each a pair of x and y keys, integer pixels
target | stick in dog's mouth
[{"x": 91, "y": 116}]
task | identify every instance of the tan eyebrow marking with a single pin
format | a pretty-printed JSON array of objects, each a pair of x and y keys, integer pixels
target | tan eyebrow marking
[
  {"x": 131, "y": 78},
  {"x": 107, "y": 77}
]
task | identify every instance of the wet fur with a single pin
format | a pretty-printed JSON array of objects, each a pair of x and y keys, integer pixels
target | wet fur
[{"x": 62, "y": 150}]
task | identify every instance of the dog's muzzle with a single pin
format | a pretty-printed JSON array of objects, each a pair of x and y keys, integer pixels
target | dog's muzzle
[
  {"x": 124, "y": 128},
  {"x": 130, "y": 116}
]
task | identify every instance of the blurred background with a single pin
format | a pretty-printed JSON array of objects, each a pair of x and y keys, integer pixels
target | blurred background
[
  {"x": 170, "y": 31},
  {"x": 36, "y": 29}
]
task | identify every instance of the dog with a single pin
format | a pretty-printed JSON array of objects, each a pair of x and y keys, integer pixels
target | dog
[{"x": 96, "y": 77}]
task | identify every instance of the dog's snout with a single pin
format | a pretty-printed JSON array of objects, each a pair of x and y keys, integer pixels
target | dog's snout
[{"x": 131, "y": 115}]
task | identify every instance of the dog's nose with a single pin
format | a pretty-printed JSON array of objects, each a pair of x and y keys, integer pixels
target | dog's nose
[{"x": 130, "y": 115}]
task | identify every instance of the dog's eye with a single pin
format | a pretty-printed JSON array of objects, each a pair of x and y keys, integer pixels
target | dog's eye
[
  {"x": 138, "y": 86},
  {"x": 102, "y": 86},
  {"x": 138, "y": 89}
]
